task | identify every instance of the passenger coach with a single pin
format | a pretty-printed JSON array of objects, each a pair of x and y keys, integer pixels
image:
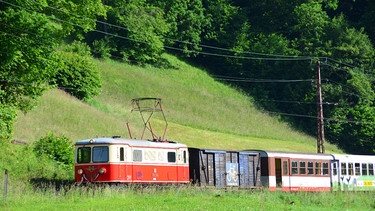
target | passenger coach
[
  {"x": 119, "y": 160},
  {"x": 288, "y": 171},
  {"x": 353, "y": 172}
]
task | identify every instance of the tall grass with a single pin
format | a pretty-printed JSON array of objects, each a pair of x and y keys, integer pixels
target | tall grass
[
  {"x": 201, "y": 112},
  {"x": 180, "y": 198}
]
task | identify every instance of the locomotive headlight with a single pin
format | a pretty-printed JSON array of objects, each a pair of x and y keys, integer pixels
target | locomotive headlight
[
  {"x": 80, "y": 171},
  {"x": 102, "y": 170}
]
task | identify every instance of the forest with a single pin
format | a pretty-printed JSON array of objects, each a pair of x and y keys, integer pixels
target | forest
[{"x": 266, "y": 48}]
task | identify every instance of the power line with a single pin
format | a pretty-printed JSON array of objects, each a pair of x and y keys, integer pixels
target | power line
[
  {"x": 272, "y": 57},
  {"x": 185, "y": 42},
  {"x": 252, "y": 80}
]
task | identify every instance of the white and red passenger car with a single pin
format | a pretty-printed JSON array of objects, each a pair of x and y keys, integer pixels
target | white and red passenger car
[
  {"x": 289, "y": 171},
  {"x": 119, "y": 160}
]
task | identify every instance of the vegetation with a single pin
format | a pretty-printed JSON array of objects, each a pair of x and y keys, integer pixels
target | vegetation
[
  {"x": 181, "y": 198},
  {"x": 265, "y": 49}
]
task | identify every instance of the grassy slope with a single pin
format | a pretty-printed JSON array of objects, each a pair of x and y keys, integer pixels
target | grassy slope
[{"x": 200, "y": 111}]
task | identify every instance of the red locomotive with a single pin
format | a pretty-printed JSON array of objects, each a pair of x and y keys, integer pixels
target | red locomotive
[{"x": 117, "y": 160}]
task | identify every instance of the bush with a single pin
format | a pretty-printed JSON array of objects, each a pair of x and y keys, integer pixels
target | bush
[
  {"x": 8, "y": 116},
  {"x": 77, "y": 73},
  {"x": 59, "y": 149}
]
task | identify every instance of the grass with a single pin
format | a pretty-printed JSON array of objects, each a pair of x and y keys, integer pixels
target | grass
[
  {"x": 182, "y": 198},
  {"x": 200, "y": 111}
]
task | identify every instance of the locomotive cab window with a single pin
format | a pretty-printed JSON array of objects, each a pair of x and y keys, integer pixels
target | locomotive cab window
[
  {"x": 84, "y": 155},
  {"x": 122, "y": 154},
  {"x": 171, "y": 157},
  {"x": 100, "y": 154}
]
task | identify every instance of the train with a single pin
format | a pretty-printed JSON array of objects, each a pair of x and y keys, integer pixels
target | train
[{"x": 117, "y": 160}]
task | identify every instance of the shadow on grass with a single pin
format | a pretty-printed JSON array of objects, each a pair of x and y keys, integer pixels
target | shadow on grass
[{"x": 47, "y": 184}]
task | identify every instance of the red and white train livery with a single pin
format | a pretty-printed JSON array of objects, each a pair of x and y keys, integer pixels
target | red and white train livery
[
  {"x": 119, "y": 160},
  {"x": 289, "y": 171}
]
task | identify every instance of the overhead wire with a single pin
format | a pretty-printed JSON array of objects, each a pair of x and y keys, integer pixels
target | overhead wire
[{"x": 272, "y": 57}]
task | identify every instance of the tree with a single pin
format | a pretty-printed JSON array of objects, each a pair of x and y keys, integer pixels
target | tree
[
  {"x": 27, "y": 42},
  {"x": 134, "y": 31},
  {"x": 187, "y": 23},
  {"x": 30, "y": 32}
]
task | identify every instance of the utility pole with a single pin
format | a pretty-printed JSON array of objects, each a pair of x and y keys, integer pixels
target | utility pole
[{"x": 320, "y": 125}]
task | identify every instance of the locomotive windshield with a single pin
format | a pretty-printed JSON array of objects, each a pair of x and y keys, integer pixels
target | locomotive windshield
[{"x": 99, "y": 154}]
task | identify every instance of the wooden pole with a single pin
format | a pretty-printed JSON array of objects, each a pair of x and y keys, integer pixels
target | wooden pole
[
  {"x": 320, "y": 120},
  {"x": 5, "y": 185}
]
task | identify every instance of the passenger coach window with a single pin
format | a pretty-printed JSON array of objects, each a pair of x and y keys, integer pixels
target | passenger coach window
[
  {"x": 364, "y": 169},
  {"x": 350, "y": 167},
  {"x": 302, "y": 167},
  {"x": 357, "y": 169},
  {"x": 294, "y": 167},
  {"x": 184, "y": 156},
  {"x": 371, "y": 169},
  {"x": 318, "y": 168},
  {"x": 171, "y": 157},
  {"x": 325, "y": 168},
  {"x": 100, "y": 154},
  {"x": 334, "y": 170},
  {"x": 285, "y": 167},
  {"x": 310, "y": 167},
  {"x": 343, "y": 169},
  {"x": 84, "y": 155}
]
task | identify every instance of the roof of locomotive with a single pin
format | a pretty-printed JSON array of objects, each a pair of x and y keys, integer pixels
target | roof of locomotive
[{"x": 130, "y": 142}]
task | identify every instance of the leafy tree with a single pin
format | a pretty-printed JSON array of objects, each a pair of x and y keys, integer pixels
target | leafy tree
[
  {"x": 75, "y": 17},
  {"x": 77, "y": 73},
  {"x": 187, "y": 23},
  {"x": 27, "y": 41},
  {"x": 135, "y": 32}
]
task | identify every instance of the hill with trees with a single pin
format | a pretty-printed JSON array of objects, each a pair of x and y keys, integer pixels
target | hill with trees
[{"x": 267, "y": 49}]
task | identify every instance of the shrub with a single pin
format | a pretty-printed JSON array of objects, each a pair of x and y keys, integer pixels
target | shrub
[
  {"x": 8, "y": 116},
  {"x": 78, "y": 75},
  {"x": 59, "y": 149}
]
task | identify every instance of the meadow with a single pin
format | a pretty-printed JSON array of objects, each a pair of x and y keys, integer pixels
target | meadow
[
  {"x": 180, "y": 198},
  {"x": 200, "y": 111}
]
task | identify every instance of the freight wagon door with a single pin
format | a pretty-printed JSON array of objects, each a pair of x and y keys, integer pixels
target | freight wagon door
[{"x": 249, "y": 166}]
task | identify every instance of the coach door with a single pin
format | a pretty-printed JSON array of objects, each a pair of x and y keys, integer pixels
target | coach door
[
  {"x": 335, "y": 175},
  {"x": 282, "y": 173}
]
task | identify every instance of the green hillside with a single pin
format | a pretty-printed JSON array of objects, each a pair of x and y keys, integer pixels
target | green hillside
[{"x": 200, "y": 111}]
